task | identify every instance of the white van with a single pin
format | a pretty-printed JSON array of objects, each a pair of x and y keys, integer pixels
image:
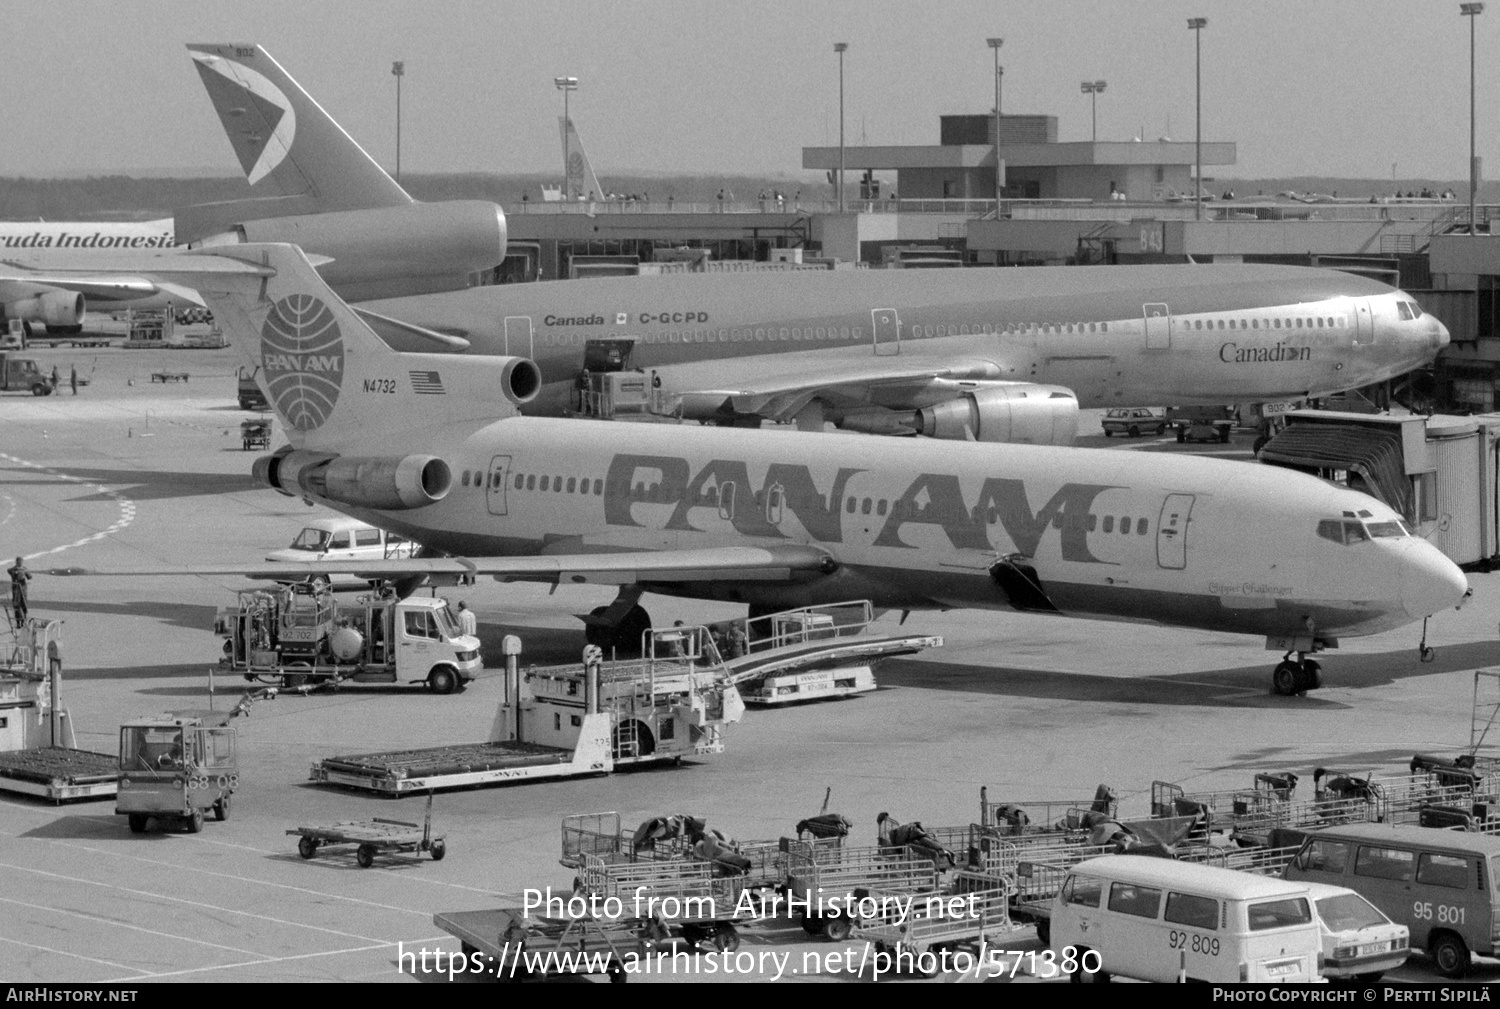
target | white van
[
  {"x": 1158, "y": 920},
  {"x": 343, "y": 539},
  {"x": 1359, "y": 941}
]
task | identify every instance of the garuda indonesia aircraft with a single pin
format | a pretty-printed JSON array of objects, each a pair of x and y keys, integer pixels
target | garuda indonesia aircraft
[
  {"x": 430, "y": 445},
  {"x": 984, "y": 354}
]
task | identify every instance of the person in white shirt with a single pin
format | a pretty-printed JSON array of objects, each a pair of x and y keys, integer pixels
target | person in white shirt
[{"x": 467, "y": 622}]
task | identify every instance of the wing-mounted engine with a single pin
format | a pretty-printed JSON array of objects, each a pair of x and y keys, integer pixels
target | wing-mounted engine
[
  {"x": 1013, "y": 412},
  {"x": 55, "y": 308},
  {"x": 393, "y": 483}
]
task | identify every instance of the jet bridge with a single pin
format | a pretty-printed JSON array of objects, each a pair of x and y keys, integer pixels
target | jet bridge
[{"x": 1438, "y": 472}]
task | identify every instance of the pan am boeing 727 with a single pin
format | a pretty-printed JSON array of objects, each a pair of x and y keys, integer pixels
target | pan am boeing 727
[{"x": 429, "y": 445}]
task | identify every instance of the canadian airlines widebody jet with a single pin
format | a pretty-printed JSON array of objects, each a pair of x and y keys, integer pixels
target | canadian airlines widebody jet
[
  {"x": 988, "y": 354},
  {"x": 773, "y": 519}
]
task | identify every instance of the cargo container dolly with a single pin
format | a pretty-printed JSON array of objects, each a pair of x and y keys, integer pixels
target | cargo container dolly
[
  {"x": 823, "y": 883},
  {"x": 696, "y": 900},
  {"x": 507, "y": 943},
  {"x": 568, "y": 720},
  {"x": 377, "y": 836},
  {"x": 971, "y": 912}
]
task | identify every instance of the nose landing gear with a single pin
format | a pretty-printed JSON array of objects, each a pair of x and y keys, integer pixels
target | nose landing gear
[{"x": 1296, "y": 677}]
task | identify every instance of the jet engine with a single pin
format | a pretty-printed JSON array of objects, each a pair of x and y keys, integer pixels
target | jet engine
[
  {"x": 55, "y": 308},
  {"x": 1018, "y": 413},
  {"x": 389, "y": 482}
]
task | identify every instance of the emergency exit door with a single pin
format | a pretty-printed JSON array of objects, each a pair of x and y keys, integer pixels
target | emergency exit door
[
  {"x": 1171, "y": 531},
  {"x": 1158, "y": 326},
  {"x": 887, "y": 326},
  {"x": 494, "y": 484},
  {"x": 518, "y": 336}
]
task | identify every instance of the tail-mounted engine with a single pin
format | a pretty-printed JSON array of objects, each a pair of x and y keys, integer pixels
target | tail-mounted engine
[{"x": 392, "y": 483}]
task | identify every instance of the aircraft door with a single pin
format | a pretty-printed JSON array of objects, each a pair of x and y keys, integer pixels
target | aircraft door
[
  {"x": 494, "y": 484},
  {"x": 1171, "y": 531},
  {"x": 518, "y": 339},
  {"x": 887, "y": 327},
  {"x": 1158, "y": 326},
  {"x": 775, "y": 503},
  {"x": 1364, "y": 322}
]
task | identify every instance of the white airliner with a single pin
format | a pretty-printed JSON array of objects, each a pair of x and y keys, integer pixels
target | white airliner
[
  {"x": 428, "y": 445},
  {"x": 983, "y": 354}
]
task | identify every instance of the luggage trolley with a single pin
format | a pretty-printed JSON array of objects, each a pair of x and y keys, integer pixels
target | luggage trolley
[
  {"x": 679, "y": 897},
  {"x": 374, "y": 837}
]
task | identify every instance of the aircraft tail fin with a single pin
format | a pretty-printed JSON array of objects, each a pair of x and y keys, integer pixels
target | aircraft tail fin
[
  {"x": 332, "y": 382},
  {"x": 292, "y": 151},
  {"x": 580, "y": 183}
]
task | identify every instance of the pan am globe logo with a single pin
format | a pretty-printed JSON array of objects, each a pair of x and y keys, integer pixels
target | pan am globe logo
[{"x": 302, "y": 358}]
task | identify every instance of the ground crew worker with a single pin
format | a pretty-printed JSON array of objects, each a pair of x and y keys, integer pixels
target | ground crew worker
[
  {"x": 467, "y": 622},
  {"x": 56, "y": 378},
  {"x": 73, "y": 377},
  {"x": 19, "y": 576}
]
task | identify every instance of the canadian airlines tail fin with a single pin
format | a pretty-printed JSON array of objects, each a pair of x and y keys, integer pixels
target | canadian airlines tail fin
[
  {"x": 293, "y": 153},
  {"x": 334, "y": 385},
  {"x": 580, "y": 182}
]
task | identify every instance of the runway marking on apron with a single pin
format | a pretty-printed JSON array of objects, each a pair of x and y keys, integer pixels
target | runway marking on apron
[
  {"x": 283, "y": 959},
  {"x": 62, "y": 952},
  {"x": 115, "y": 923},
  {"x": 127, "y": 506},
  {"x": 199, "y": 903}
]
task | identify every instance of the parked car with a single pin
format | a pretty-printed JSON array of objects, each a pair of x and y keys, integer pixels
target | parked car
[
  {"x": 1134, "y": 421},
  {"x": 1359, "y": 941}
]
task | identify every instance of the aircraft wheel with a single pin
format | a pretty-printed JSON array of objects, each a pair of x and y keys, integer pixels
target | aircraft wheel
[
  {"x": 1285, "y": 678},
  {"x": 1312, "y": 674}
]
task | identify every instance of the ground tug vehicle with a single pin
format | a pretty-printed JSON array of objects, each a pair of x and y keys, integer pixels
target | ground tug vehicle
[
  {"x": 176, "y": 767},
  {"x": 298, "y": 634}
]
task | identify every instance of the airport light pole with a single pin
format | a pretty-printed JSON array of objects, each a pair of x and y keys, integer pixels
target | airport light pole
[
  {"x": 398, "y": 70},
  {"x": 565, "y": 85},
  {"x": 1093, "y": 89},
  {"x": 995, "y": 45},
  {"x": 1196, "y": 26},
  {"x": 841, "y": 48},
  {"x": 1472, "y": 12}
]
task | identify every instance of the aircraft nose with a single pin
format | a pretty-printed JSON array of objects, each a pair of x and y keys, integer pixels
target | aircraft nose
[
  {"x": 1430, "y": 582},
  {"x": 1439, "y": 338}
]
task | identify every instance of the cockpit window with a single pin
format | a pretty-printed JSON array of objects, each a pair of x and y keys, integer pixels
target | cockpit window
[
  {"x": 1346, "y": 531},
  {"x": 1416, "y": 310},
  {"x": 1331, "y": 529},
  {"x": 1385, "y": 530},
  {"x": 1354, "y": 533},
  {"x": 1404, "y": 309}
]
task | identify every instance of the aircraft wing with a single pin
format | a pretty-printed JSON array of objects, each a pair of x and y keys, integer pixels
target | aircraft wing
[
  {"x": 18, "y": 283},
  {"x": 776, "y": 389},
  {"x": 788, "y": 563}
]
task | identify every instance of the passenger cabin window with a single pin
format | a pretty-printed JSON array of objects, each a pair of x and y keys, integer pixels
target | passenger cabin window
[
  {"x": 1383, "y": 863},
  {"x": 1192, "y": 910},
  {"x": 1269, "y": 914},
  {"x": 1131, "y": 898},
  {"x": 1445, "y": 870},
  {"x": 1083, "y": 891},
  {"x": 1324, "y": 856}
]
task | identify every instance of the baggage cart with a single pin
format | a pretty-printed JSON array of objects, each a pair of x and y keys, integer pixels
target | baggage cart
[
  {"x": 936, "y": 924},
  {"x": 373, "y": 837},
  {"x": 508, "y": 942},
  {"x": 691, "y": 899}
]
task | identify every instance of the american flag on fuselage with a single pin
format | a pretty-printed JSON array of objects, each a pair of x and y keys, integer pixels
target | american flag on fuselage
[{"x": 426, "y": 383}]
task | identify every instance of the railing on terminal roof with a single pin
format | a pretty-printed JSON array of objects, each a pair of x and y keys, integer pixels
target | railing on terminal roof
[{"x": 1444, "y": 215}]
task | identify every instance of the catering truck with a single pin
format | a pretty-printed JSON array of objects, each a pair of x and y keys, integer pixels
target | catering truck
[{"x": 299, "y": 634}]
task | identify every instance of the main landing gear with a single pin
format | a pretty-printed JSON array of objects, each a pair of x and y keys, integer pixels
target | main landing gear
[{"x": 1296, "y": 677}]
